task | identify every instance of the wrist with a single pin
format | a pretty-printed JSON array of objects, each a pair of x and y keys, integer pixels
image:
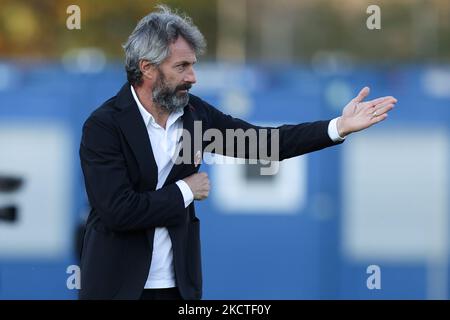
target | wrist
[{"x": 341, "y": 127}]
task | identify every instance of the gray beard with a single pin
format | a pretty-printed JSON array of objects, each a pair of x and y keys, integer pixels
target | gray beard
[{"x": 168, "y": 99}]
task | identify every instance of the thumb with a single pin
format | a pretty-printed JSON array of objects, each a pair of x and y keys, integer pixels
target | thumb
[{"x": 362, "y": 94}]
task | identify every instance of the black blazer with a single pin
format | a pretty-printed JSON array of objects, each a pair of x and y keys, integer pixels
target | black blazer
[{"x": 121, "y": 175}]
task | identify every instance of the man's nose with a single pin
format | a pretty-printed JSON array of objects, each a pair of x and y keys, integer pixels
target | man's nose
[{"x": 190, "y": 76}]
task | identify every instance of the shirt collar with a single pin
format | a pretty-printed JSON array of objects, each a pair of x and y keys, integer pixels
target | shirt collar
[{"x": 148, "y": 117}]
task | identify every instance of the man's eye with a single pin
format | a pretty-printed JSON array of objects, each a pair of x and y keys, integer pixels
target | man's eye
[{"x": 181, "y": 67}]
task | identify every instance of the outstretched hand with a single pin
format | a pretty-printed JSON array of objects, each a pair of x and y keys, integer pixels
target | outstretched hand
[{"x": 358, "y": 115}]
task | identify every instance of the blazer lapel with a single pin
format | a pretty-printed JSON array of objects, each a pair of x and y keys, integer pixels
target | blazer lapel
[
  {"x": 134, "y": 130},
  {"x": 181, "y": 170}
]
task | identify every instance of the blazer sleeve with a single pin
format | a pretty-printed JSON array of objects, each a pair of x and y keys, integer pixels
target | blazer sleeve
[
  {"x": 110, "y": 191},
  {"x": 277, "y": 143}
]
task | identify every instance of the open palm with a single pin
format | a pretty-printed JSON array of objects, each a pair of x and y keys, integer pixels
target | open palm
[{"x": 358, "y": 115}]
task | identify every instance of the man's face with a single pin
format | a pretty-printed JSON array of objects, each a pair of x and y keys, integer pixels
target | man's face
[{"x": 175, "y": 77}]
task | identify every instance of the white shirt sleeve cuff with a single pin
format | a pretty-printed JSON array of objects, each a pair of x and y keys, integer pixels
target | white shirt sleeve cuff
[
  {"x": 188, "y": 196},
  {"x": 333, "y": 131}
]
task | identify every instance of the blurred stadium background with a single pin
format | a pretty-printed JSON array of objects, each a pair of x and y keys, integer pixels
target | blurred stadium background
[{"x": 309, "y": 232}]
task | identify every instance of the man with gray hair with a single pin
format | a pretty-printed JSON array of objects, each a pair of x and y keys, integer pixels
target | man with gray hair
[{"x": 142, "y": 238}]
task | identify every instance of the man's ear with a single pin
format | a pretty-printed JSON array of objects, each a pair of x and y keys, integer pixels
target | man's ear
[{"x": 147, "y": 69}]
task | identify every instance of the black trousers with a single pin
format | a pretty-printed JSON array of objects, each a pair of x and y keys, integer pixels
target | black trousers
[{"x": 161, "y": 294}]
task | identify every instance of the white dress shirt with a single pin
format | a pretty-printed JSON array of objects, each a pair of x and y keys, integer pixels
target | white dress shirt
[
  {"x": 164, "y": 143},
  {"x": 333, "y": 131}
]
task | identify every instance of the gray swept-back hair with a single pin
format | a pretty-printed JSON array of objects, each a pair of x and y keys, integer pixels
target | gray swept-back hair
[{"x": 151, "y": 38}]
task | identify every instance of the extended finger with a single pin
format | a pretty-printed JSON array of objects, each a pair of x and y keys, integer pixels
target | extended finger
[
  {"x": 362, "y": 94},
  {"x": 381, "y": 110},
  {"x": 374, "y": 102}
]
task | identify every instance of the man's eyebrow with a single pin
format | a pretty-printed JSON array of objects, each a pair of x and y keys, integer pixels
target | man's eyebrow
[{"x": 185, "y": 62}]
